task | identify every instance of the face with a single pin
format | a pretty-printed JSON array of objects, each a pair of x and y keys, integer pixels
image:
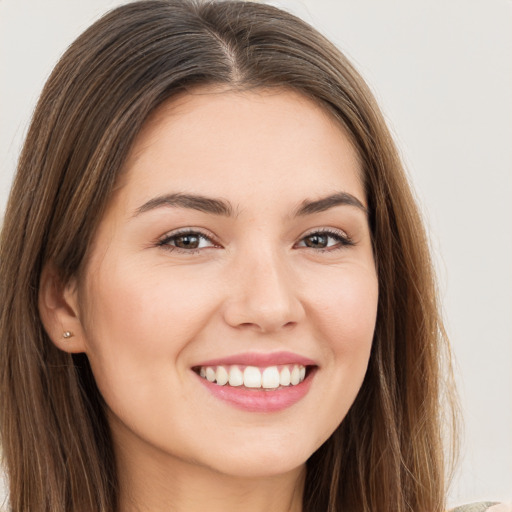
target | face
[{"x": 229, "y": 302}]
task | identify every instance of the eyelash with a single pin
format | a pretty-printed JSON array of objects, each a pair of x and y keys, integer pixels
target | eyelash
[{"x": 342, "y": 240}]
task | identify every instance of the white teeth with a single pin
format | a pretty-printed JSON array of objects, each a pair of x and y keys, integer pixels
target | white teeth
[
  {"x": 252, "y": 377},
  {"x": 236, "y": 377},
  {"x": 284, "y": 378},
  {"x": 222, "y": 376},
  {"x": 294, "y": 377},
  {"x": 271, "y": 377},
  {"x": 210, "y": 374}
]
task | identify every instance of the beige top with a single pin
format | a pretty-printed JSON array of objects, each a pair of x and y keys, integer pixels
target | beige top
[{"x": 474, "y": 507}]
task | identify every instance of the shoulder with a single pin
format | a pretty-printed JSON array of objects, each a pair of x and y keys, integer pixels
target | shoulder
[{"x": 480, "y": 507}]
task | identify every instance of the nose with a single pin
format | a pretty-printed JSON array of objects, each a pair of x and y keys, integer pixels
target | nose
[{"x": 263, "y": 294}]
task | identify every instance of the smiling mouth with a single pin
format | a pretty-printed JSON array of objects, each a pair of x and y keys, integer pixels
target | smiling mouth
[{"x": 255, "y": 378}]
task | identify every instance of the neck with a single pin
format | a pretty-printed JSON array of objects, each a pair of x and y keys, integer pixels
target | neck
[{"x": 219, "y": 493}]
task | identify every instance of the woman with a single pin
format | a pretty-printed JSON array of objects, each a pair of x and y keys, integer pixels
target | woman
[{"x": 217, "y": 289}]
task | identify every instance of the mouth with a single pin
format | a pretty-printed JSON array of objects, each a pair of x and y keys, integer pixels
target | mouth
[
  {"x": 253, "y": 377},
  {"x": 258, "y": 383}
]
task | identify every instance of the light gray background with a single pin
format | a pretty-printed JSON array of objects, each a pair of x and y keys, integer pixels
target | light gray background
[{"x": 442, "y": 71}]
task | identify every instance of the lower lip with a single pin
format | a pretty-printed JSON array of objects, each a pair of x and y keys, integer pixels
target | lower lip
[{"x": 260, "y": 400}]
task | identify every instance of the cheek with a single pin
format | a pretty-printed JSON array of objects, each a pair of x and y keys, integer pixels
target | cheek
[
  {"x": 345, "y": 319},
  {"x": 145, "y": 306},
  {"x": 346, "y": 310},
  {"x": 138, "y": 323}
]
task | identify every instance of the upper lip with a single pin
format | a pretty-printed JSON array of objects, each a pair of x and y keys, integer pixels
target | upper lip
[{"x": 258, "y": 359}]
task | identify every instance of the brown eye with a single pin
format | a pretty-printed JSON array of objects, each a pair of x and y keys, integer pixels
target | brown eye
[
  {"x": 325, "y": 240},
  {"x": 316, "y": 241},
  {"x": 188, "y": 241}
]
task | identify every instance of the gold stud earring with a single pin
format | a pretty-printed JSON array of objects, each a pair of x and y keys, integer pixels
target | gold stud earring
[{"x": 67, "y": 334}]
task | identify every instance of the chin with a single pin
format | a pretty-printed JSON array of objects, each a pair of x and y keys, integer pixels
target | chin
[
  {"x": 276, "y": 458},
  {"x": 259, "y": 469}
]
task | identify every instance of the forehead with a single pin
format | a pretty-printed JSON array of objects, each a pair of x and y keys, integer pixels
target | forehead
[{"x": 220, "y": 140}]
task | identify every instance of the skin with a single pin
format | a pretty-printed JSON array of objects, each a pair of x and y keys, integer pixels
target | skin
[{"x": 145, "y": 313}]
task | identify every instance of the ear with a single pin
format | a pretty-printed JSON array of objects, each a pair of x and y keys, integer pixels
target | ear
[{"x": 58, "y": 308}]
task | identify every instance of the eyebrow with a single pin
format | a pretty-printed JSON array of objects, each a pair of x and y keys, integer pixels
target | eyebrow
[
  {"x": 309, "y": 207},
  {"x": 222, "y": 207},
  {"x": 191, "y": 201}
]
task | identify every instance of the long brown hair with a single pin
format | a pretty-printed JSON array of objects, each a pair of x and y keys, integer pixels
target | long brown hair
[{"x": 387, "y": 454}]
